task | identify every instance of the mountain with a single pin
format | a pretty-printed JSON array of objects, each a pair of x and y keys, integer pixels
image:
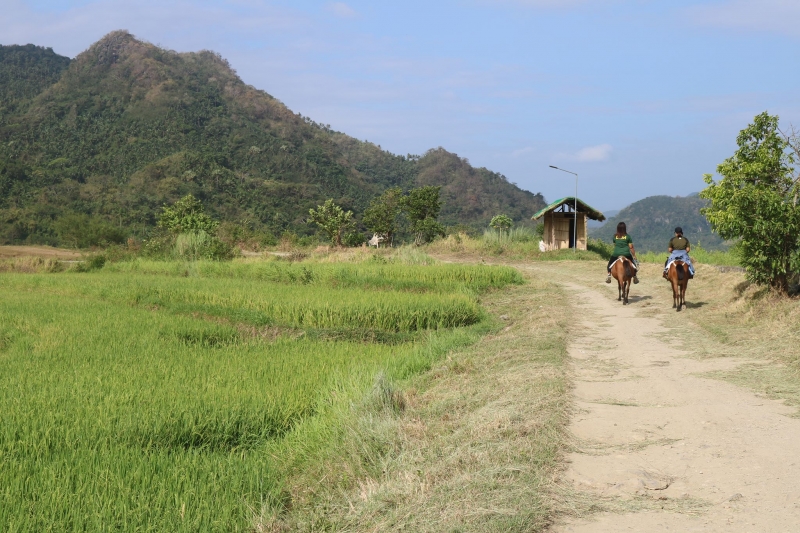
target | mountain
[
  {"x": 597, "y": 224},
  {"x": 126, "y": 127},
  {"x": 651, "y": 223}
]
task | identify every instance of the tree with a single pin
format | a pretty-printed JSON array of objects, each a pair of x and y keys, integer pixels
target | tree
[
  {"x": 186, "y": 215},
  {"x": 756, "y": 202},
  {"x": 381, "y": 215},
  {"x": 501, "y": 223},
  {"x": 332, "y": 220},
  {"x": 422, "y": 206}
]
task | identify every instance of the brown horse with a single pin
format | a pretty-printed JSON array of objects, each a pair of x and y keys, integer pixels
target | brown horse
[
  {"x": 678, "y": 275},
  {"x": 623, "y": 271}
]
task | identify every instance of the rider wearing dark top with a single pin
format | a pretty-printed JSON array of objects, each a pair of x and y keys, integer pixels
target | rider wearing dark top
[
  {"x": 678, "y": 243},
  {"x": 623, "y": 247}
]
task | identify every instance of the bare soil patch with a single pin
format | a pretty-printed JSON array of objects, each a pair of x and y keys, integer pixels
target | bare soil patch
[{"x": 45, "y": 252}]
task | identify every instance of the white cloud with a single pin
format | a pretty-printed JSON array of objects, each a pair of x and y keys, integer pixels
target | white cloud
[
  {"x": 601, "y": 152},
  {"x": 342, "y": 10},
  {"x": 763, "y": 15}
]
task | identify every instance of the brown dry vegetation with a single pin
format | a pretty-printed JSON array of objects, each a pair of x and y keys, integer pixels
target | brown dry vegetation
[
  {"x": 44, "y": 252},
  {"x": 478, "y": 444}
]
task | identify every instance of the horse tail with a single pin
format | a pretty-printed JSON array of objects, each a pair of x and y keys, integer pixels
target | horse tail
[
  {"x": 628, "y": 272},
  {"x": 679, "y": 268}
]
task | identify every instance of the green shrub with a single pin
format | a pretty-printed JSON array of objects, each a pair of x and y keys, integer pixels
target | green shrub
[
  {"x": 353, "y": 239},
  {"x": 602, "y": 248},
  {"x": 91, "y": 263},
  {"x": 78, "y": 230}
]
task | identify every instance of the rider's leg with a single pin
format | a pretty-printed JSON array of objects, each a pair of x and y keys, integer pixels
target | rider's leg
[
  {"x": 635, "y": 271},
  {"x": 608, "y": 268}
]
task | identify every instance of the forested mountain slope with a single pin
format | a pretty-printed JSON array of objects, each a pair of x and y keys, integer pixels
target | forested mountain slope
[
  {"x": 651, "y": 223},
  {"x": 126, "y": 127}
]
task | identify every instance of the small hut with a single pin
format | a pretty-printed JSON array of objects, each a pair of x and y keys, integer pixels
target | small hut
[{"x": 559, "y": 223}]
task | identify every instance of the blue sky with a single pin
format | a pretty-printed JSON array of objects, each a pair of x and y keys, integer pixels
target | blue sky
[{"x": 638, "y": 97}]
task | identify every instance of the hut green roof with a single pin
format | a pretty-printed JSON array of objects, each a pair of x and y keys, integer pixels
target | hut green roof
[{"x": 583, "y": 207}]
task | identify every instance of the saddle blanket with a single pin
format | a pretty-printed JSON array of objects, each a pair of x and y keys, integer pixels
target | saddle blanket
[
  {"x": 634, "y": 263},
  {"x": 682, "y": 256}
]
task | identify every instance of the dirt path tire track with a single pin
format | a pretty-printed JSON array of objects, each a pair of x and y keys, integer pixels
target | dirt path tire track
[{"x": 670, "y": 449}]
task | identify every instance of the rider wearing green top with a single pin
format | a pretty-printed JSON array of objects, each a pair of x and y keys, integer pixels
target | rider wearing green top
[{"x": 623, "y": 247}]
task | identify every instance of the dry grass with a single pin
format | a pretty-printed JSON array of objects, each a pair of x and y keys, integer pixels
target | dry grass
[
  {"x": 44, "y": 252},
  {"x": 479, "y": 443},
  {"x": 30, "y": 264}
]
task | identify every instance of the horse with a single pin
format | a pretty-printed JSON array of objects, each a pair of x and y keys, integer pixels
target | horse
[
  {"x": 622, "y": 270},
  {"x": 678, "y": 275}
]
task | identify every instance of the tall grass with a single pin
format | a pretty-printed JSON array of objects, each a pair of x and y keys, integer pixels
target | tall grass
[
  {"x": 120, "y": 418},
  {"x": 519, "y": 248},
  {"x": 264, "y": 303},
  {"x": 698, "y": 255},
  {"x": 191, "y": 245},
  {"x": 375, "y": 274},
  {"x": 123, "y": 406},
  {"x": 518, "y": 234}
]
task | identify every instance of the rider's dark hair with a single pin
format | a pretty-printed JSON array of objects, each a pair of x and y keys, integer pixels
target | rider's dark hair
[
  {"x": 679, "y": 231},
  {"x": 622, "y": 230}
]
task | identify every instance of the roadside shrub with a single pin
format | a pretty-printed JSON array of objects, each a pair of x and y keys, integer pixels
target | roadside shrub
[
  {"x": 91, "y": 263},
  {"x": 158, "y": 245},
  {"x": 600, "y": 247},
  {"x": 354, "y": 239}
]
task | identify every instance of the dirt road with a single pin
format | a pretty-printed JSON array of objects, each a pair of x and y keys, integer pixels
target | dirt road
[{"x": 660, "y": 445}]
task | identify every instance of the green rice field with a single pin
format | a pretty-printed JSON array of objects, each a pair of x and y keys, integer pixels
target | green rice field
[{"x": 150, "y": 396}]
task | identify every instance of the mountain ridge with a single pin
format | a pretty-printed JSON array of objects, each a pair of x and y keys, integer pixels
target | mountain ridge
[
  {"x": 651, "y": 222},
  {"x": 127, "y": 127}
]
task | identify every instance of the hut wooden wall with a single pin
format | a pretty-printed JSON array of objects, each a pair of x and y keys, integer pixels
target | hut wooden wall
[{"x": 557, "y": 234}]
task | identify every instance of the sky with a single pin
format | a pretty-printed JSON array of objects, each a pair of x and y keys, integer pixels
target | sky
[{"x": 637, "y": 97}]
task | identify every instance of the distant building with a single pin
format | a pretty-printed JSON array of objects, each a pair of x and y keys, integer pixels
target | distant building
[{"x": 559, "y": 223}]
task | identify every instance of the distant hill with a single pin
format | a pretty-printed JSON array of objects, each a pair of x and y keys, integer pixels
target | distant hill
[
  {"x": 127, "y": 126},
  {"x": 651, "y": 223},
  {"x": 596, "y": 223}
]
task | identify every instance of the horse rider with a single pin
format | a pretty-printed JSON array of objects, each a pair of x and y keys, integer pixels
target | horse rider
[
  {"x": 679, "y": 248},
  {"x": 623, "y": 247}
]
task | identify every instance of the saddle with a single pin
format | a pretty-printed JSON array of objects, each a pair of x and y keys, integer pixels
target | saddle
[{"x": 620, "y": 258}]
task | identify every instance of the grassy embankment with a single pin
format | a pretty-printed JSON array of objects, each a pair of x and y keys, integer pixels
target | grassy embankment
[
  {"x": 739, "y": 319},
  {"x": 234, "y": 396}
]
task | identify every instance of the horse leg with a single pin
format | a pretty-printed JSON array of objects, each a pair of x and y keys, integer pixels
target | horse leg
[
  {"x": 619, "y": 290},
  {"x": 676, "y": 294},
  {"x": 672, "y": 281},
  {"x": 683, "y": 293}
]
